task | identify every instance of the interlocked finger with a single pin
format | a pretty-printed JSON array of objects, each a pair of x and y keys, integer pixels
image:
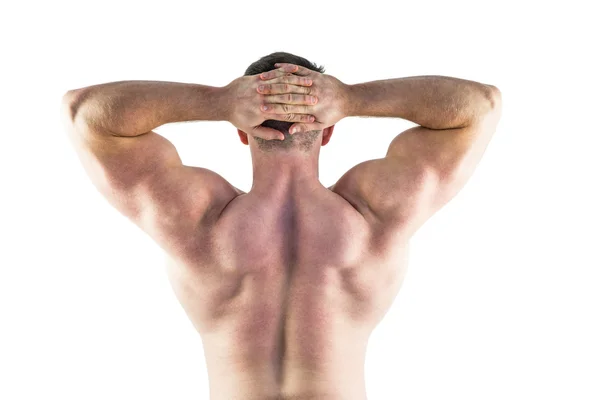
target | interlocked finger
[
  {"x": 283, "y": 70},
  {"x": 292, "y": 117},
  {"x": 285, "y": 109},
  {"x": 276, "y": 73},
  {"x": 296, "y": 69},
  {"x": 290, "y": 79},
  {"x": 280, "y": 88},
  {"x": 291, "y": 99}
]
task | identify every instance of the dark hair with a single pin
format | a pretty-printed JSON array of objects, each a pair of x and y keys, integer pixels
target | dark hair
[{"x": 305, "y": 140}]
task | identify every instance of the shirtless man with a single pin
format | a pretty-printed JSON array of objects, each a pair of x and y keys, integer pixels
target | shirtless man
[{"x": 284, "y": 283}]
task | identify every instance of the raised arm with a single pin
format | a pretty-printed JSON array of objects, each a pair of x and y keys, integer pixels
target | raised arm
[
  {"x": 139, "y": 171},
  {"x": 425, "y": 166}
]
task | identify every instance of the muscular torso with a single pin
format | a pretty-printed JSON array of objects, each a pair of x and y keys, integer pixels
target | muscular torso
[{"x": 285, "y": 291}]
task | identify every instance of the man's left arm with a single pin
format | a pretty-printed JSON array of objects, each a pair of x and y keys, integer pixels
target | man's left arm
[{"x": 139, "y": 171}]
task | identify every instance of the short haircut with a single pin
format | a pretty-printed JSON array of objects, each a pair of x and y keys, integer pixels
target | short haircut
[{"x": 303, "y": 141}]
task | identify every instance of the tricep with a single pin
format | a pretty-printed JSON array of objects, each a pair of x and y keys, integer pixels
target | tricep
[{"x": 421, "y": 172}]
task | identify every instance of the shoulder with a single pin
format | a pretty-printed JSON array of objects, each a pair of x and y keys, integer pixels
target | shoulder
[
  {"x": 206, "y": 192},
  {"x": 373, "y": 182},
  {"x": 181, "y": 212}
]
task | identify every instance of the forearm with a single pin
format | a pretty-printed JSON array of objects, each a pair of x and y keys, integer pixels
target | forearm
[
  {"x": 435, "y": 102},
  {"x": 131, "y": 108}
]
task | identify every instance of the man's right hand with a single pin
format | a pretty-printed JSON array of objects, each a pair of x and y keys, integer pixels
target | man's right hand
[
  {"x": 332, "y": 94},
  {"x": 246, "y": 102}
]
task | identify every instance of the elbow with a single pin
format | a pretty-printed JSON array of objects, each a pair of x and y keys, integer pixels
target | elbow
[
  {"x": 71, "y": 104},
  {"x": 69, "y": 110},
  {"x": 490, "y": 105},
  {"x": 486, "y": 102},
  {"x": 492, "y": 111},
  {"x": 66, "y": 104},
  {"x": 68, "y": 107},
  {"x": 493, "y": 97}
]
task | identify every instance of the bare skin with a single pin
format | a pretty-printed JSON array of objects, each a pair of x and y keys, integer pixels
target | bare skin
[{"x": 284, "y": 283}]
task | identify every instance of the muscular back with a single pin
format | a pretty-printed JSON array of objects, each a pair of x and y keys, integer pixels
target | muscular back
[{"x": 286, "y": 289}]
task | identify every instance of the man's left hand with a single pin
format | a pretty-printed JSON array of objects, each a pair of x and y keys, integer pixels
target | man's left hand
[{"x": 247, "y": 103}]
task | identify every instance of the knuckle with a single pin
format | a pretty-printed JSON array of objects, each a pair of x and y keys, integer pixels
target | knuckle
[
  {"x": 289, "y": 98},
  {"x": 290, "y": 117},
  {"x": 286, "y": 108}
]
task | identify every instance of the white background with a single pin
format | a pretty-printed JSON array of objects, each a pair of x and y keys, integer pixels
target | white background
[{"x": 501, "y": 299}]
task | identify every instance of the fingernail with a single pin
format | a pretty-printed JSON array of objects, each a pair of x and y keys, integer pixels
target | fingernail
[
  {"x": 265, "y": 108},
  {"x": 292, "y": 131},
  {"x": 277, "y": 64},
  {"x": 311, "y": 119},
  {"x": 313, "y": 99},
  {"x": 261, "y": 87}
]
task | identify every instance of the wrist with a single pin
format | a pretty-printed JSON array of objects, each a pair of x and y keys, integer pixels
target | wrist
[
  {"x": 351, "y": 100},
  {"x": 221, "y": 96}
]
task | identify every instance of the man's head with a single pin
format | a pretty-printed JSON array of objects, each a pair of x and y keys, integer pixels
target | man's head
[{"x": 304, "y": 141}]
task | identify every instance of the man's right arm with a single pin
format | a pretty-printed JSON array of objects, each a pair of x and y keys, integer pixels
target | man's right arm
[
  {"x": 434, "y": 102},
  {"x": 427, "y": 165}
]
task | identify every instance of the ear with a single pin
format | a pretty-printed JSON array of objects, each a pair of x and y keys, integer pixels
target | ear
[
  {"x": 243, "y": 137},
  {"x": 327, "y": 132}
]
